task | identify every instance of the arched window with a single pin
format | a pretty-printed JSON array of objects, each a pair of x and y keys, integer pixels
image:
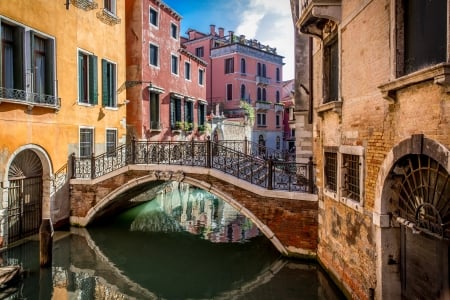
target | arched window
[
  {"x": 258, "y": 69},
  {"x": 277, "y": 96},
  {"x": 243, "y": 70},
  {"x": 264, "y": 95},
  {"x": 258, "y": 96},
  {"x": 242, "y": 92},
  {"x": 278, "y": 75}
]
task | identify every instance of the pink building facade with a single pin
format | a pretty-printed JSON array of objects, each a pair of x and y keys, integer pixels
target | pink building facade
[
  {"x": 243, "y": 70},
  {"x": 166, "y": 84}
]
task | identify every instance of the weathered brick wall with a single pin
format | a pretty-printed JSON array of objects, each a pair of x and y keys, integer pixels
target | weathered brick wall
[{"x": 294, "y": 222}]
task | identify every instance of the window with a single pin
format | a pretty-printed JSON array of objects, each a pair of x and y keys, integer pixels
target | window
[
  {"x": 187, "y": 70},
  {"x": 277, "y": 96},
  {"x": 175, "y": 112},
  {"x": 189, "y": 112},
  {"x": 174, "y": 64},
  {"x": 258, "y": 69},
  {"x": 154, "y": 111},
  {"x": 243, "y": 67},
  {"x": 278, "y": 121},
  {"x": 242, "y": 92},
  {"x": 278, "y": 143},
  {"x": 264, "y": 95},
  {"x": 229, "y": 91},
  {"x": 264, "y": 71},
  {"x": 331, "y": 71},
  {"x": 200, "y": 51},
  {"x": 261, "y": 120},
  {"x": 258, "y": 94},
  {"x": 421, "y": 48},
  {"x": 201, "y": 75},
  {"x": 111, "y": 141},
  {"x": 350, "y": 177},
  {"x": 27, "y": 60},
  {"x": 108, "y": 84},
  {"x": 174, "y": 31},
  {"x": 229, "y": 65},
  {"x": 330, "y": 170},
  {"x": 86, "y": 142},
  {"x": 201, "y": 113},
  {"x": 110, "y": 5},
  {"x": 153, "y": 17},
  {"x": 154, "y": 55},
  {"x": 87, "y": 78},
  {"x": 278, "y": 77}
]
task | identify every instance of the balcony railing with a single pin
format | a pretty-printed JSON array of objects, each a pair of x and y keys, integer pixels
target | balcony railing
[
  {"x": 279, "y": 107},
  {"x": 28, "y": 98},
  {"x": 260, "y": 105},
  {"x": 85, "y": 4},
  {"x": 315, "y": 14},
  {"x": 262, "y": 80}
]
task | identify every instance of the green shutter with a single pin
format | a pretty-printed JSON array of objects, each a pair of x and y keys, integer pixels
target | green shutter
[
  {"x": 18, "y": 58},
  {"x": 104, "y": 83},
  {"x": 93, "y": 85}
]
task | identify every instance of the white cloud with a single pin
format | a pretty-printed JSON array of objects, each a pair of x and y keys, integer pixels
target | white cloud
[{"x": 270, "y": 22}]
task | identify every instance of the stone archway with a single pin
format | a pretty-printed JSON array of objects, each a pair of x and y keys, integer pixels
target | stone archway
[
  {"x": 412, "y": 214},
  {"x": 28, "y": 188}
]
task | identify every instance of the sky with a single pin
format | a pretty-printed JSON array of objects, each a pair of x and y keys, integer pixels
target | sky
[{"x": 268, "y": 21}]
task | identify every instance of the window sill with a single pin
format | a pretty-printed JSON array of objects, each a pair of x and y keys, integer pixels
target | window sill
[
  {"x": 439, "y": 74},
  {"x": 108, "y": 17},
  {"x": 333, "y": 106},
  {"x": 355, "y": 205}
]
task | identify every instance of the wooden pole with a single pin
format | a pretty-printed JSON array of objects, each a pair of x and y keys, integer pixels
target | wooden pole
[{"x": 46, "y": 243}]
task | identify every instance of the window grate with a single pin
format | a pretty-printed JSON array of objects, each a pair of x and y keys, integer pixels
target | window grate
[
  {"x": 351, "y": 176},
  {"x": 331, "y": 171}
]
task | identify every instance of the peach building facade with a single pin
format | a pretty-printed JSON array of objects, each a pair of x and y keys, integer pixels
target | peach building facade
[{"x": 166, "y": 86}]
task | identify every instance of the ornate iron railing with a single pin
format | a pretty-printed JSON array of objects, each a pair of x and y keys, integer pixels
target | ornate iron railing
[
  {"x": 255, "y": 149},
  {"x": 28, "y": 98},
  {"x": 235, "y": 161}
]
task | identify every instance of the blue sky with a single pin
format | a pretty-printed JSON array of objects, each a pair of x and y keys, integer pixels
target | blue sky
[{"x": 268, "y": 21}]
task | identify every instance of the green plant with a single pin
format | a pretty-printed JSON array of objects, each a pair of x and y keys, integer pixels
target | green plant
[{"x": 248, "y": 110}]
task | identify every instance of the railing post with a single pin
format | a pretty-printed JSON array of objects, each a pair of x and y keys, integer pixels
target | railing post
[
  {"x": 92, "y": 166},
  {"x": 133, "y": 151},
  {"x": 73, "y": 165},
  {"x": 208, "y": 152},
  {"x": 311, "y": 176},
  {"x": 270, "y": 173},
  {"x": 245, "y": 145}
]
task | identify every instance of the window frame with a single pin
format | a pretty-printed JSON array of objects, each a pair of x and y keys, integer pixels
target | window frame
[
  {"x": 82, "y": 143},
  {"x": 243, "y": 66},
  {"x": 229, "y": 65},
  {"x": 331, "y": 70},
  {"x": 110, "y": 146},
  {"x": 155, "y": 111},
  {"x": 175, "y": 111},
  {"x": 229, "y": 91},
  {"x": 109, "y": 85},
  {"x": 201, "y": 77},
  {"x": 200, "y": 51},
  {"x": 156, "y": 11},
  {"x": 261, "y": 119},
  {"x": 187, "y": 70},
  {"x": 150, "y": 47},
  {"x": 111, "y": 7},
  {"x": 90, "y": 78},
  {"x": 174, "y": 31},
  {"x": 174, "y": 64}
]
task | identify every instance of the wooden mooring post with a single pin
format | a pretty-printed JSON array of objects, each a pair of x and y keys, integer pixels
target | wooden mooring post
[{"x": 46, "y": 243}]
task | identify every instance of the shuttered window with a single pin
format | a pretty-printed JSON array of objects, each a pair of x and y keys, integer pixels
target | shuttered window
[
  {"x": 87, "y": 78},
  {"x": 108, "y": 84}
]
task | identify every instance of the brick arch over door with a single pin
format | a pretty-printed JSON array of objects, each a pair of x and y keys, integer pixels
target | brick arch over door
[
  {"x": 413, "y": 166},
  {"x": 104, "y": 202}
]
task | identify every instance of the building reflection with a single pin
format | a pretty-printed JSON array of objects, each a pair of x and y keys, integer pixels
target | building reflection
[{"x": 179, "y": 206}]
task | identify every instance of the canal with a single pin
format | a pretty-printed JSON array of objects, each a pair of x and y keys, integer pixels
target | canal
[{"x": 184, "y": 244}]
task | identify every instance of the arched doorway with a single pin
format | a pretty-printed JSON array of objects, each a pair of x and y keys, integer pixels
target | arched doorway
[
  {"x": 421, "y": 192},
  {"x": 24, "y": 195},
  {"x": 413, "y": 210}
]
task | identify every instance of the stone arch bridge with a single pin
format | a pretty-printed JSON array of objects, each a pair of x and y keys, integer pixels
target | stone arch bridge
[{"x": 278, "y": 196}]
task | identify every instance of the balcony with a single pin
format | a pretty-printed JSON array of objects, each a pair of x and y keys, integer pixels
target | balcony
[
  {"x": 279, "y": 107},
  {"x": 315, "y": 15},
  {"x": 85, "y": 4},
  {"x": 262, "y": 106},
  {"x": 108, "y": 17},
  {"x": 29, "y": 99},
  {"x": 260, "y": 80}
]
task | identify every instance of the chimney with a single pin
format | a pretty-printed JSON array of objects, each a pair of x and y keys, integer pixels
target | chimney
[
  {"x": 221, "y": 30},
  {"x": 212, "y": 29},
  {"x": 191, "y": 34},
  {"x": 230, "y": 34}
]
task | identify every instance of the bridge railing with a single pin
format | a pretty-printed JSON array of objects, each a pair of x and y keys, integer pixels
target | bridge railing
[
  {"x": 255, "y": 149},
  {"x": 266, "y": 173}
]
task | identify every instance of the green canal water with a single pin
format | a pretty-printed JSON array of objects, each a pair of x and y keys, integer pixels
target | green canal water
[{"x": 184, "y": 244}]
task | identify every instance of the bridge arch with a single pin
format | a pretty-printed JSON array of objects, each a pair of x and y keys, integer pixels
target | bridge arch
[{"x": 180, "y": 177}]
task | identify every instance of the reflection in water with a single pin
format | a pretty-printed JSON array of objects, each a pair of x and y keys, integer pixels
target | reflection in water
[{"x": 163, "y": 250}]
